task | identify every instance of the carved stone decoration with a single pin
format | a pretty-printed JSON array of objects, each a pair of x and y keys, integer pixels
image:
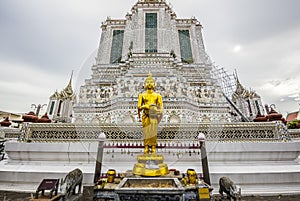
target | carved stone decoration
[
  {"x": 174, "y": 118},
  {"x": 128, "y": 119},
  {"x": 206, "y": 119}
]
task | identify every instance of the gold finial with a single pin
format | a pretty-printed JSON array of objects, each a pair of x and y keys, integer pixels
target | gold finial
[{"x": 149, "y": 77}]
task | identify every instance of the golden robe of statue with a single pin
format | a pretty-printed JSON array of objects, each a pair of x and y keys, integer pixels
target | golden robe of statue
[{"x": 151, "y": 104}]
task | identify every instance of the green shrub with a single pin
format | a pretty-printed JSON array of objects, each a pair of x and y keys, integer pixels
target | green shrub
[{"x": 292, "y": 124}]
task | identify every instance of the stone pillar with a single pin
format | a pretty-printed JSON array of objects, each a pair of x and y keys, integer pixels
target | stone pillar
[
  {"x": 98, "y": 166},
  {"x": 205, "y": 169}
]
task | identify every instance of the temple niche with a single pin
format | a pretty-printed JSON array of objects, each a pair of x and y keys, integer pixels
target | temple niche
[{"x": 152, "y": 39}]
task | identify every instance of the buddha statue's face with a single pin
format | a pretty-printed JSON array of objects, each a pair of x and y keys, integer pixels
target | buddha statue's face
[{"x": 149, "y": 83}]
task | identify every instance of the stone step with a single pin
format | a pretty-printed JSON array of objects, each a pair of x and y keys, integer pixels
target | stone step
[{"x": 254, "y": 179}]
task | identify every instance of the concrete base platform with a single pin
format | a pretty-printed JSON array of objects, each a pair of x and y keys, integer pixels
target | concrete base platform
[
  {"x": 259, "y": 168},
  {"x": 251, "y": 182}
]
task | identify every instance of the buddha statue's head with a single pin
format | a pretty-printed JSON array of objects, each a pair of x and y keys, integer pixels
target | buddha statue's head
[{"x": 149, "y": 82}]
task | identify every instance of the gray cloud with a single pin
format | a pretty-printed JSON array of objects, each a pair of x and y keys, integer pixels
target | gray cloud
[{"x": 261, "y": 39}]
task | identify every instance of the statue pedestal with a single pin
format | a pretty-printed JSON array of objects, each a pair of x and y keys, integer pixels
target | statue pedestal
[{"x": 150, "y": 165}]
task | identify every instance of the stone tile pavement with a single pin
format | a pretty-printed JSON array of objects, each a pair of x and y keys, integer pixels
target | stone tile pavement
[{"x": 21, "y": 196}]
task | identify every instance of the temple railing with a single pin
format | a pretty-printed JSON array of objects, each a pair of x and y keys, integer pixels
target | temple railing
[
  {"x": 10, "y": 133},
  {"x": 294, "y": 134},
  {"x": 167, "y": 133}
]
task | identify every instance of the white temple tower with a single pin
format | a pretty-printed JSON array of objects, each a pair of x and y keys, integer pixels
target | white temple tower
[{"x": 151, "y": 39}]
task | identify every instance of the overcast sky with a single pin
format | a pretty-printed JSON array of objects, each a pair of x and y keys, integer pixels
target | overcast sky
[{"x": 42, "y": 41}]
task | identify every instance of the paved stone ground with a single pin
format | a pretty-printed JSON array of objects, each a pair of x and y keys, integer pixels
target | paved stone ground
[
  {"x": 17, "y": 196},
  {"x": 265, "y": 198},
  {"x": 14, "y": 196}
]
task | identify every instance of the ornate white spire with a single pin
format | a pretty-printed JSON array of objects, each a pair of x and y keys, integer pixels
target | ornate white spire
[{"x": 68, "y": 91}]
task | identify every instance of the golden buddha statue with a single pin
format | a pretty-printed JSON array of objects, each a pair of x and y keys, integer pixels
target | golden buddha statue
[{"x": 151, "y": 104}]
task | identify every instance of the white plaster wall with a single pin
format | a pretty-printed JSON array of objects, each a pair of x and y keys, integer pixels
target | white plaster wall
[{"x": 85, "y": 152}]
